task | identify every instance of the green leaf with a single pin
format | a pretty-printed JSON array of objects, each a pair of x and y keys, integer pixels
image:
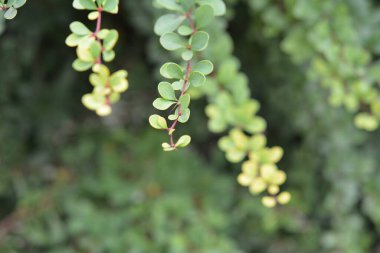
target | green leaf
[
  {"x": 92, "y": 101},
  {"x": 110, "y": 40},
  {"x": 10, "y": 13},
  {"x": 187, "y": 55},
  {"x": 77, "y": 5},
  {"x": 170, "y": 5},
  {"x": 197, "y": 79},
  {"x": 173, "y": 116},
  {"x": 85, "y": 54},
  {"x": 172, "y": 41},
  {"x": 88, "y": 4},
  {"x": 366, "y": 122},
  {"x": 199, "y": 41},
  {"x": 102, "y": 34},
  {"x": 118, "y": 81},
  {"x": 73, "y": 40},
  {"x": 185, "y": 116},
  {"x": 185, "y": 30},
  {"x": 104, "y": 110},
  {"x": 19, "y": 3},
  {"x": 204, "y": 15},
  {"x": 95, "y": 49},
  {"x": 166, "y": 91},
  {"x": 177, "y": 85},
  {"x": 163, "y": 70},
  {"x": 166, "y": 147},
  {"x": 217, "y": 125},
  {"x": 174, "y": 71},
  {"x": 185, "y": 102},
  {"x": 205, "y": 67},
  {"x": 114, "y": 97},
  {"x": 183, "y": 141},
  {"x": 225, "y": 143},
  {"x": 101, "y": 69},
  {"x": 375, "y": 108},
  {"x": 235, "y": 155},
  {"x": 218, "y": 5},
  {"x": 168, "y": 23},
  {"x": 162, "y": 104},
  {"x": 108, "y": 55},
  {"x": 158, "y": 122},
  {"x": 9, "y": 2},
  {"x": 93, "y": 15},
  {"x": 97, "y": 80},
  {"x": 80, "y": 65},
  {"x": 187, "y": 4},
  {"x": 79, "y": 28},
  {"x": 257, "y": 125},
  {"x": 257, "y": 142},
  {"x": 85, "y": 42},
  {"x": 119, "y": 74},
  {"x": 111, "y": 6}
]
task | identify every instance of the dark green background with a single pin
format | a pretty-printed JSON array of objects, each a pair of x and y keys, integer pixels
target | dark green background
[{"x": 72, "y": 182}]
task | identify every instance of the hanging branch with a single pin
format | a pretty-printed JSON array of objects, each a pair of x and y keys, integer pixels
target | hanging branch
[{"x": 94, "y": 48}]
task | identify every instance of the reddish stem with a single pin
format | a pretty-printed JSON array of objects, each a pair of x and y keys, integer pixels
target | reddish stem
[
  {"x": 98, "y": 28},
  {"x": 186, "y": 81},
  {"x": 99, "y": 22},
  {"x": 191, "y": 21},
  {"x": 99, "y": 60},
  {"x": 183, "y": 90}
]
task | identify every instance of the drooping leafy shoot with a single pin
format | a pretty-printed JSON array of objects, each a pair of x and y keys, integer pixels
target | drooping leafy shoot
[
  {"x": 94, "y": 48},
  {"x": 182, "y": 31}
]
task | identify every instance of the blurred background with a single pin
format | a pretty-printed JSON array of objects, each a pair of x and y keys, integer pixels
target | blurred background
[{"x": 71, "y": 182}]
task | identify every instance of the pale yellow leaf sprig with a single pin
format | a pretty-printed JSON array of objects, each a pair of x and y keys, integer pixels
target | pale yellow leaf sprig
[
  {"x": 260, "y": 172},
  {"x": 94, "y": 48},
  {"x": 107, "y": 89}
]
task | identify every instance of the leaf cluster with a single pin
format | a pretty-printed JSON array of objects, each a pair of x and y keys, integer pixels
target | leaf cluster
[
  {"x": 10, "y": 7},
  {"x": 331, "y": 51}
]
